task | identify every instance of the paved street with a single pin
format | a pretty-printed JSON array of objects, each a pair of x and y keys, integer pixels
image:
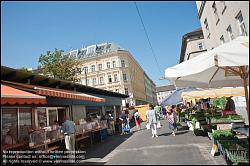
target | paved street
[{"x": 141, "y": 148}]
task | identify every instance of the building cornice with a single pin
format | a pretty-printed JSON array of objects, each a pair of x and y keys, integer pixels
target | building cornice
[
  {"x": 184, "y": 42},
  {"x": 201, "y": 9}
]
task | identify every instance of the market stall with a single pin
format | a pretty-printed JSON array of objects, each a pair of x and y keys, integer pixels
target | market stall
[{"x": 224, "y": 66}]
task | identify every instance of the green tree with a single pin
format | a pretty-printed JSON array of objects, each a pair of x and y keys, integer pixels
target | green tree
[
  {"x": 24, "y": 69},
  {"x": 57, "y": 65}
]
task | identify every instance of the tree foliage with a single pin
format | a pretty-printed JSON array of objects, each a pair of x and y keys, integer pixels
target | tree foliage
[
  {"x": 59, "y": 66},
  {"x": 24, "y": 69}
]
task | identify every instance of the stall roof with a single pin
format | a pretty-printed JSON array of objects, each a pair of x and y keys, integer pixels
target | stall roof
[
  {"x": 44, "y": 91},
  {"x": 10, "y": 95},
  {"x": 14, "y": 75}
]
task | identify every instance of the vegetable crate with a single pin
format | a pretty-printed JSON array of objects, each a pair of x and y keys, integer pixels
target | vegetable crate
[{"x": 234, "y": 151}]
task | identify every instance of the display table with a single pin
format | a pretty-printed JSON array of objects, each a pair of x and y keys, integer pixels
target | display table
[{"x": 13, "y": 147}]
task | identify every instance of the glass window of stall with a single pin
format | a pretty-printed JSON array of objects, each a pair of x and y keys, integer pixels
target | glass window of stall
[
  {"x": 24, "y": 123},
  {"x": 9, "y": 123},
  {"x": 41, "y": 117},
  {"x": 53, "y": 116}
]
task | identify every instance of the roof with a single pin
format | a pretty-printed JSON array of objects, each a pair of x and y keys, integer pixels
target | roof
[
  {"x": 44, "y": 91},
  {"x": 10, "y": 95},
  {"x": 197, "y": 32},
  {"x": 15, "y": 75},
  {"x": 165, "y": 88}
]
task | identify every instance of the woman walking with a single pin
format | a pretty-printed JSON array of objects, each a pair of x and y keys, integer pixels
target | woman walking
[
  {"x": 137, "y": 120},
  {"x": 151, "y": 119},
  {"x": 171, "y": 118}
]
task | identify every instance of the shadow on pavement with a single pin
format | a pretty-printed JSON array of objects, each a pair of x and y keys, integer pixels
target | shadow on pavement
[
  {"x": 176, "y": 133},
  {"x": 101, "y": 149}
]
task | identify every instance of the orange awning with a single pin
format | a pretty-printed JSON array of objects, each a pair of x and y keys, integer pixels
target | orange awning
[
  {"x": 53, "y": 92},
  {"x": 12, "y": 96}
]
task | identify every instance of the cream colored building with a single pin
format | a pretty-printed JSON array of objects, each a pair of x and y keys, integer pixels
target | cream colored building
[
  {"x": 107, "y": 66},
  {"x": 193, "y": 44},
  {"x": 223, "y": 21}
]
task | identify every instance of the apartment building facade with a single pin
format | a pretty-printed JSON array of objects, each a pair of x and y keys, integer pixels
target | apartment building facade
[
  {"x": 107, "y": 66},
  {"x": 193, "y": 44},
  {"x": 223, "y": 21}
]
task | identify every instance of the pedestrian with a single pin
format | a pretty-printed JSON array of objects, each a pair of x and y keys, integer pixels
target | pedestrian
[
  {"x": 151, "y": 120},
  {"x": 164, "y": 112},
  {"x": 123, "y": 119},
  {"x": 69, "y": 129},
  {"x": 171, "y": 118},
  {"x": 111, "y": 123},
  {"x": 127, "y": 126},
  {"x": 137, "y": 120},
  {"x": 157, "y": 109}
]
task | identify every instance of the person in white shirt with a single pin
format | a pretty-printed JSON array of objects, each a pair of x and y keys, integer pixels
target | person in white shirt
[{"x": 151, "y": 119}]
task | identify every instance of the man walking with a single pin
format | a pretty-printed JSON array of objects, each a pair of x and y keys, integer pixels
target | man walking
[
  {"x": 151, "y": 119},
  {"x": 69, "y": 130}
]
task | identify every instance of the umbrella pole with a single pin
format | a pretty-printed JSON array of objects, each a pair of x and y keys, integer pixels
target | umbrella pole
[
  {"x": 246, "y": 95},
  {"x": 244, "y": 76}
]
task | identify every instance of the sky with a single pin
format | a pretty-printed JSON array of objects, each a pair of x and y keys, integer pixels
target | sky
[{"x": 29, "y": 29}]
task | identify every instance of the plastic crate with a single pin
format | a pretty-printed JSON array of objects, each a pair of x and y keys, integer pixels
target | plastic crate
[{"x": 234, "y": 155}]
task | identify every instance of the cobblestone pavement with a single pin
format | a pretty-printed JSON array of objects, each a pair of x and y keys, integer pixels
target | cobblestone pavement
[{"x": 140, "y": 148}]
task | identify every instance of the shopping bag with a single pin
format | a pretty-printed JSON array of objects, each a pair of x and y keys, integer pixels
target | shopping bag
[
  {"x": 147, "y": 126},
  {"x": 158, "y": 125}
]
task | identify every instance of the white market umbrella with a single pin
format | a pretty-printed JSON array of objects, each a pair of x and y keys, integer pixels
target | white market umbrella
[
  {"x": 225, "y": 66},
  {"x": 213, "y": 93}
]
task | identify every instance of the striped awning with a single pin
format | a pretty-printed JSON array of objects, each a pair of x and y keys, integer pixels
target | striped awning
[
  {"x": 10, "y": 95},
  {"x": 54, "y": 92}
]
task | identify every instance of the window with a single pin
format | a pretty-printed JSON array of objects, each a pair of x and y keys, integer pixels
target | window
[
  {"x": 109, "y": 78},
  {"x": 123, "y": 63},
  {"x": 207, "y": 28},
  {"x": 52, "y": 116},
  {"x": 115, "y": 78},
  {"x": 41, "y": 116},
  {"x": 108, "y": 65},
  {"x": 24, "y": 123},
  {"x": 93, "y": 68},
  {"x": 100, "y": 66},
  {"x": 216, "y": 13},
  {"x": 200, "y": 46},
  {"x": 125, "y": 77},
  {"x": 101, "y": 80},
  {"x": 117, "y": 90},
  {"x": 230, "y": 32},
  {"x": 241, "y": 24},
  {"x": 85, "y": 69},
  {"x": 114, "y": 64},
  {"x": 223, "y": 4},
  {"x": 126, "y": 91},
  {"x": 9, "y": 121},
  {"x": 94, "y": 81},
  {"x": 222, "y": 40}
]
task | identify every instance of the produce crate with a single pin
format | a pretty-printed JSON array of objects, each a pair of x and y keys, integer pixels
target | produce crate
[
  {"x": 234, "y": 151},
  {"x": 236, "y": 157},
  {"x": 199, "y": 132}
]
